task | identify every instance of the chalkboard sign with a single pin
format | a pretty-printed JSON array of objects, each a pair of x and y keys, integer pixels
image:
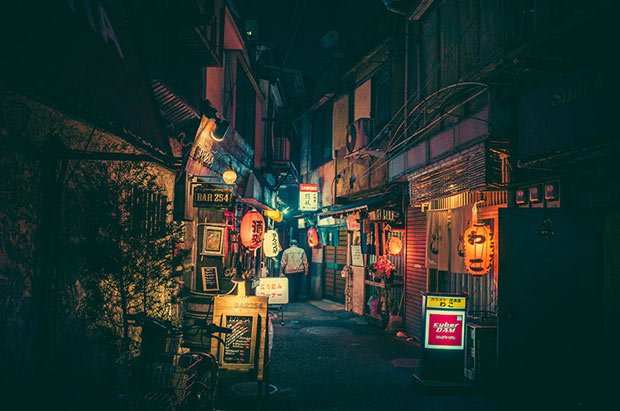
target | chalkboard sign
[
  {"x": 245, "y": 349},
  {"x": 210, "y": 281},
  {"x": 238, "y": 344}
]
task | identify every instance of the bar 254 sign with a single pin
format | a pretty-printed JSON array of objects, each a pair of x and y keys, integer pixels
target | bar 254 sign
[{"x": 208, "y": 196}]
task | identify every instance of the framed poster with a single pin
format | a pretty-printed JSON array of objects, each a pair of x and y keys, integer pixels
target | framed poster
[
  {"x": 210, "y": 281},
  {"x": 213, "y": 240},
  {"x": 357, "y": 258}
]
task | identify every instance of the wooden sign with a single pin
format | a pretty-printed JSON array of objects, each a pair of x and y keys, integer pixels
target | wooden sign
[
  {"x": 245, "y": 347},
  {"x": 210, "y": 281},
  {"x": 209, "y": 196}
]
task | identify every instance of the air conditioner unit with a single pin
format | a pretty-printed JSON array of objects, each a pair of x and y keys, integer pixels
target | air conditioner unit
[{"x": 359, "y": 134}]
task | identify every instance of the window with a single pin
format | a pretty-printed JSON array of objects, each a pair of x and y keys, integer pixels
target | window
[
  {"x": 148, "y": 212},
  {"x": 245, "y": 106},
  {"x": 321, "y": 132}
]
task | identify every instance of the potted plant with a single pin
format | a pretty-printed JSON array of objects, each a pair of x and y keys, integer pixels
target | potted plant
[{"x": 382, "y": 270}]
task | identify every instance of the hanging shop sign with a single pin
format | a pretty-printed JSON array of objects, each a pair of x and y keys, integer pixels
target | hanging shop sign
[
  {"x": 353, "y": 222},
  {"x": 308, "y": 197},
  {"x": 271, "y": 244},
  {"x": 479, "y": 249},
  {"x": 313, "y": 237},
  {"x": 252, "y": 230},
  {"x": 209, "y": 196}
]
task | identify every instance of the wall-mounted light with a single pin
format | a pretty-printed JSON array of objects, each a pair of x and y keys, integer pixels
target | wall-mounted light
[
  {"x": 220, "y": 131},
  {"x": 521, "y": 196},
  {"x": 275, "y": 215},
  {"x": 229, "y": 175},
  {"x": 551, "y": 191},
  {"x": 536, "y": 194}
]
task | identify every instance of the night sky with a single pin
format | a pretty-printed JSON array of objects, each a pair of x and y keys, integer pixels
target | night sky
[{"x": 296, "y": 27}]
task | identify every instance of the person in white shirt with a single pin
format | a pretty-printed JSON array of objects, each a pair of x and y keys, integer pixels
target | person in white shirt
[{"x": 293, "y": 265}]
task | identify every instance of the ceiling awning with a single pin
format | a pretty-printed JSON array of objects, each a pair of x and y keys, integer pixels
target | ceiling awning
[{"x": 371, "y": 203}]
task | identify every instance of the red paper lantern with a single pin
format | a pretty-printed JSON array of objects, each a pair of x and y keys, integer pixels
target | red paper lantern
[
  {"x": 479, "y": 249},
  {"x": 313, "y": 237},
  {"x": 252, "y": 230}
]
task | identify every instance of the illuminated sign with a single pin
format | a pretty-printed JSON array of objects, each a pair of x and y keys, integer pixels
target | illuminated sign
[
  {"x": 445, "y": 330},
  {"x": 207, "y": 196},
  {"x": 308, "y": 197},
  {"x": 446, "y": 302},
  {"x": 275, "y": 288}
]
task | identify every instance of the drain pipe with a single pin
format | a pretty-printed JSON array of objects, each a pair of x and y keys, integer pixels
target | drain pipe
[{"x": 388, "y": 7}]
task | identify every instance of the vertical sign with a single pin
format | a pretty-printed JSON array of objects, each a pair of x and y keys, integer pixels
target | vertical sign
[{"x": 308, "y": 197}]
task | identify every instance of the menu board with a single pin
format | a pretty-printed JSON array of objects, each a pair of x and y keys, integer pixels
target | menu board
[
  {"x": 245, "y": 349},
  {"x": 238, "y": 344},
  {"x": 209, "y": 279}
]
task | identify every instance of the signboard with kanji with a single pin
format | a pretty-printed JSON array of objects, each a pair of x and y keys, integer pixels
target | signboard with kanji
[
  {"x": 308, "y": 197},
  {"x": 276, "y": 288}
]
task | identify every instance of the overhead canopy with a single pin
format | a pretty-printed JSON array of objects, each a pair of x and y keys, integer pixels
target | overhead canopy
[
  {"x": 370, "y": 204},
  {"x": 252, "y": 202}
]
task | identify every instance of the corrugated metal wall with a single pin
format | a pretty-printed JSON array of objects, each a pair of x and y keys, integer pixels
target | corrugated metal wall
[{"x": 415, "y": 274}]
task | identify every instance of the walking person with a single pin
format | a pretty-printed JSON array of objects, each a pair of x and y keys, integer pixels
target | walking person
[{"x": 294, "y": 264}]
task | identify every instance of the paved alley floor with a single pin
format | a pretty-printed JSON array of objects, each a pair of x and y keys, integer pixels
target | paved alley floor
[{"x": 324, "y": 358}]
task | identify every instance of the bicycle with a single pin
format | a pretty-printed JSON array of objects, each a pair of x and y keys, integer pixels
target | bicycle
[{"x": 164, "y": 376}]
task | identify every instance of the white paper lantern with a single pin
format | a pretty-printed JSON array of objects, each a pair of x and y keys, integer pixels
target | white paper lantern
[{"x": 271, "y": 244}]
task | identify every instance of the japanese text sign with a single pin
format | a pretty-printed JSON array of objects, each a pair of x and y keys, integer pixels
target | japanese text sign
[
  {"x": 308, "y": 197},
  {"x": 276, "y": 288}
]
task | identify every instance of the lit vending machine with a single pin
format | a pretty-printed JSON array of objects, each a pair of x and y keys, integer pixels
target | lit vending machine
[{"x": 444, "y": 338}]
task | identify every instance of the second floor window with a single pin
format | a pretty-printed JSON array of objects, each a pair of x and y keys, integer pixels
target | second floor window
[
  {"x": 321, "y": 131},
  {"x": 245, "y": 106}
]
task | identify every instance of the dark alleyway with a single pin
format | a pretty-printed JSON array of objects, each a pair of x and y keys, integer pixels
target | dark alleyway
[{"x": 328, "y": 359}]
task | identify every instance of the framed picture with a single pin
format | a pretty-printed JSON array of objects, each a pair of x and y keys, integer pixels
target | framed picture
[{"x": 213, "y": 240}]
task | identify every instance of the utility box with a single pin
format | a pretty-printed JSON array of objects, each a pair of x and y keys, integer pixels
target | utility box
[{"x": 481, "y": 353}]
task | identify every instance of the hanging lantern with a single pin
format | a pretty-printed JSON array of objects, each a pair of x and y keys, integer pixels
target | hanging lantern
[
  {"x": 395, "y": 245},
  {"x": 479, "y": 249},
  {"x": 275, "y": 215},
  {"x": 313, "y": 237},
  {"x": 252, "y": 230},
  {"x": 271, "y": 244},
  {"x": 229, "y": 175}
]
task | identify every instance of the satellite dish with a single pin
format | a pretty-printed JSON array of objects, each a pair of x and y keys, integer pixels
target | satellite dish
[{"x": 330, "y": 39}]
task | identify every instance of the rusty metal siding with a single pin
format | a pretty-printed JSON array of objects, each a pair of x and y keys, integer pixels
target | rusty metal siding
[{"x": 415, "y": 273}]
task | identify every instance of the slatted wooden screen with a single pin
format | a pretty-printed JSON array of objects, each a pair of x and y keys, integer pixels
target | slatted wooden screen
[
  {"x": 335, "y": 258},
  {"x": 415, "y": 274}
]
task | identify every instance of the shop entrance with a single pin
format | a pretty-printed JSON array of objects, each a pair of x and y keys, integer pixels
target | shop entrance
[{"x": 335, "y": 258}]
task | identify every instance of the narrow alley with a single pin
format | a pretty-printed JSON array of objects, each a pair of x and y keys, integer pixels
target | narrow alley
[{"x": 324, "y": 358}]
